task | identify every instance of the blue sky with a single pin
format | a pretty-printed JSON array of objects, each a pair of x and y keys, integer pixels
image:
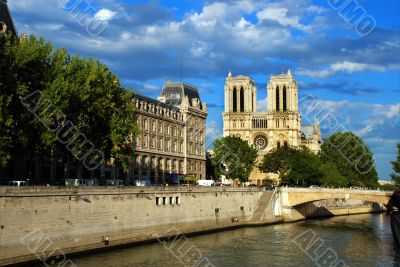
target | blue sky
[{"x": 353, "y": 72}]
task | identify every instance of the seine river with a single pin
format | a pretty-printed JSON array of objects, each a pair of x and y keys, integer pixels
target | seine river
[{"x": 358, "y": 240}]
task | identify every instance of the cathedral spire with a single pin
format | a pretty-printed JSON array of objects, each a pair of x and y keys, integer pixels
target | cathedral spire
[{"x": 289, "y": 72}]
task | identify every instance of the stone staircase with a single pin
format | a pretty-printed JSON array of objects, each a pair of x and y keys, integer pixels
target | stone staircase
[{"x": 263, "y": 203}]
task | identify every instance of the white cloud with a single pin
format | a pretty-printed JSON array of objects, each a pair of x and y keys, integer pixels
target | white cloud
[
  {"x": 210, "y": 15},
  {"x": 151, "y": 87},
  {"x": 262, "y": 105},
  {"x": 280, "y": 15},
  {"x": 220, "y": 36},
  {"x": 126, "y": 35},
  {"x": 49, "y": 26},
  {"x": 200, "y": 49},
  {"x": 345, "y": 66},
  {"x": 366, "y": 118},
  {"x": 315, "y": 9},
  {"x": 105, "y": 15},
  {"x": 388, "y": 111},
  {"x": 365, "y": 130}
]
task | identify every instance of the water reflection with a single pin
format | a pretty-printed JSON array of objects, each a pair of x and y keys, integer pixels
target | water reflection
[{"x": 360, "y": 240}]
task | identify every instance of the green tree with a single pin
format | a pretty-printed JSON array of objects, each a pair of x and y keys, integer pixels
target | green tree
[
  {"x": 81, "y": 91},
  {"x": 352, "y": 158},
  {"x": 92, "y": 99},
  {"x": 387, "y": 187},
  {"x": 212, "y": 173},
  {"x": 396, "y": 167},
  {"x": 294, "y": 166},
  {"x": 234, "y": 157},
  {"x": 25, "y": 68},
  {"x": 330, "y": 176}
]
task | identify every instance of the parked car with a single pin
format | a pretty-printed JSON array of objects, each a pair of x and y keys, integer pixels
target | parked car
[
  {"x": 141, "y": 183},
  {"x": 17, "y": 183},
  {"x": 314, "y": 186},
  {"x": 112, "y": 182},
  {"x": 81, "y": 182}
]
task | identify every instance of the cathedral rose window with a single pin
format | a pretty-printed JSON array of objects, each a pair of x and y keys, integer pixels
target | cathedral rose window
[{"x": 260, "y": 142}]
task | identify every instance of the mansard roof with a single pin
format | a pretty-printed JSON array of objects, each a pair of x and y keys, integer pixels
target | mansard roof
[
  {"x": 153, "y": 101},
  {"x": 174, "y": 92},
  {"x": 5, "y": 17}
]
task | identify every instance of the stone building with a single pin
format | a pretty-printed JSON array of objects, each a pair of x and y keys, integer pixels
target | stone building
[
  {"x": 173, "y": 132},
  {"x": 279, "y": 126}
]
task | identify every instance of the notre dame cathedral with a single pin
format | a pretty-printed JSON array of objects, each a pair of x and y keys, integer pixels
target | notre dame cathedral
[{"x": 279, "y": 126}]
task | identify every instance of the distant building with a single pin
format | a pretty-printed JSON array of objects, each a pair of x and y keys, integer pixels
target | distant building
[
  {"x": 279, "y": 126},
  {"x": 173, "y": 133},
  {"x": 383, "y": 182}
]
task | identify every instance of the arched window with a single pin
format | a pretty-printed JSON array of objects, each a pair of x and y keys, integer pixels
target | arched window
[
  {"x": 277, "y": 98},
  {"x": 241, "y": 99},
  {"x": 278, "y": 145},
  {"x": 285, "y": 144},
  {"x": 284, "y": 99},
  {"x": 234, "y": 99}
]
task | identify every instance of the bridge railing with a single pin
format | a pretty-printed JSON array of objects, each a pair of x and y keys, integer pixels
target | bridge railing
[{"x": 336, "y": 190}]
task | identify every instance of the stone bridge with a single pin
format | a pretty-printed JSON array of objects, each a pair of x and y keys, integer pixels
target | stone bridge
[{"x": 296, "y": 203}]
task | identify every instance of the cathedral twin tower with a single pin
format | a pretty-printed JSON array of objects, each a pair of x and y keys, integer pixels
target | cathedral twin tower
[{"x": 279, "y": 126}]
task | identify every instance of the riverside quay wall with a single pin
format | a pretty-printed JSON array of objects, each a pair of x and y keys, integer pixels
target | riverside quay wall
[
  {"x": 42, "y": 222},
  {"x": 78, "y": 219}
]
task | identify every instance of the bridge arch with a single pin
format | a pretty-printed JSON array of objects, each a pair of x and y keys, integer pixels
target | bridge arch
[{"x": 296, "y": 197}]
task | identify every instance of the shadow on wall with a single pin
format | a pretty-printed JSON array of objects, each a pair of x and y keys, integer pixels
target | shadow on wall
[
  {"x": 328, "y": 209},
  {"x": 313, "y": 210}
]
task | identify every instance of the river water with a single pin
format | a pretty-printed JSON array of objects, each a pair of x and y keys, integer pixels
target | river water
[{"x": 357, "y": 240}]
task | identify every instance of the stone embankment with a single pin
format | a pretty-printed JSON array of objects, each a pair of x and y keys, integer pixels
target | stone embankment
[{"x": 49, "y": 221}]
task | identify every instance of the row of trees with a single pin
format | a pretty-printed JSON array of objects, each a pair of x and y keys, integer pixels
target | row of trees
[
  {"x": 84, "y": 91},
  {"x": 344, "y": 161}
]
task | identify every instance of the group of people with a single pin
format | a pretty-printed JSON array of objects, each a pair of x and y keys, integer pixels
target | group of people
[{"x": 234, "y": 219}]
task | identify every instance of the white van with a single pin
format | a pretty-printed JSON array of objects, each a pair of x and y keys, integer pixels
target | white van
[{"x": 205, "y": 183}]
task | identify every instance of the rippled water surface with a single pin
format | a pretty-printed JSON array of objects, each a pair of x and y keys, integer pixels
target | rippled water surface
[{"x": 358, "y": 240}]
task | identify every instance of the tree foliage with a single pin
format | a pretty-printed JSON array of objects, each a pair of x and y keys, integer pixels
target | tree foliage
[
  {"x": 330, "y": 176},
  {"x": 82, "y": 91},
  {"x": 25, "y": 68},
  {"x": 344, "y": 161},
  {"x": 352, "y": 158},
  {"x": 294, "y": 166},
  {"x": 212, "y": 172},
  {"x": 396, "y": 167},
  {"x": 234, "y": 157}
]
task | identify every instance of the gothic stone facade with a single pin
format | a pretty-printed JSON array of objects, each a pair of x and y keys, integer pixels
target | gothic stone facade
[
  {"x": 279, "y": 126},
  {"x": 173, "y": 131}
]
